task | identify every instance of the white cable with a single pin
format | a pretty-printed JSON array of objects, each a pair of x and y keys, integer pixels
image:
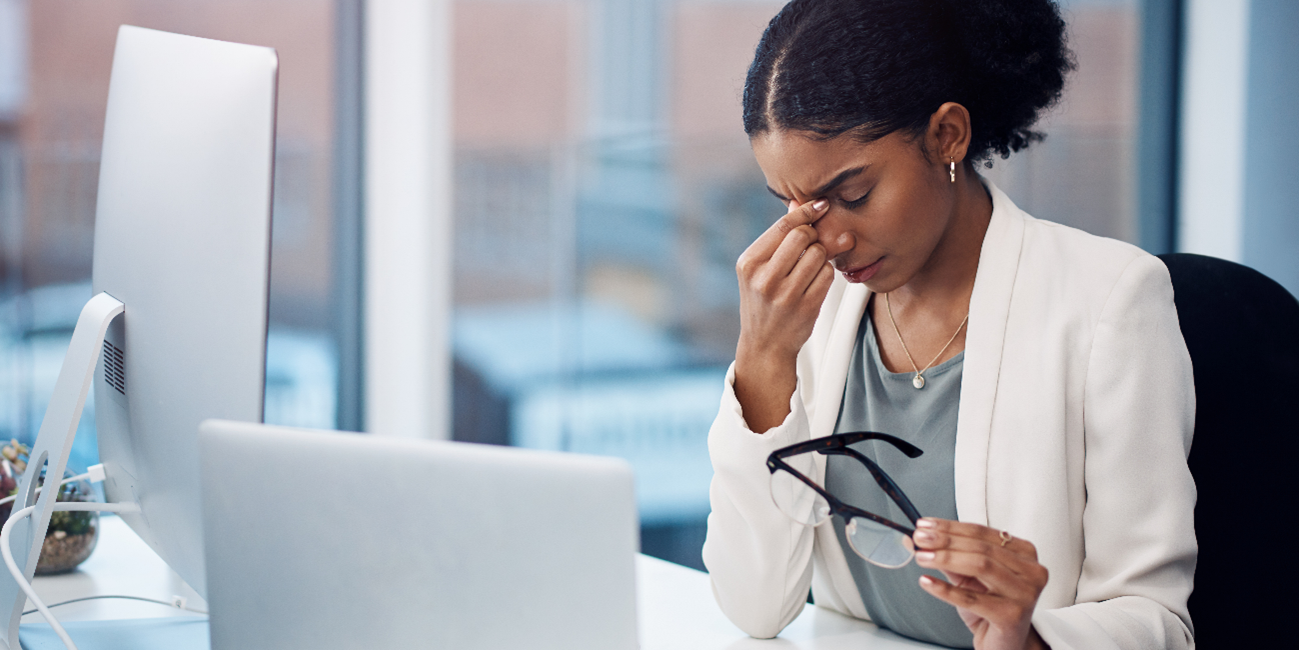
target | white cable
[
  {"x": 179, "y": 602},
  {"x": 7, "y": 552},
  {"x": 95, "y": 474}
]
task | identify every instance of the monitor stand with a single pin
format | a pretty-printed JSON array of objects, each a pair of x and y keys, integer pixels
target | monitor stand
[{"x": 51, "y": 449}]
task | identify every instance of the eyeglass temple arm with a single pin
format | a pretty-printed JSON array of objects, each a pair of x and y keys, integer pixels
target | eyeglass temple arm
[
  {"x": 841, "y": 440},
  {"x": 841, "y": 507},
  {"x": 858, "y": 512},
  {"x": 885, "y": 482},
  {"x": 837, "y": 506}
]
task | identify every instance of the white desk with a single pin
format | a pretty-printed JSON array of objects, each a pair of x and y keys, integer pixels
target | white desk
[
  {"x": 676, "y": 605},
  {"x": 677, "y": 611},
  {"x": 122, "y": 564}
]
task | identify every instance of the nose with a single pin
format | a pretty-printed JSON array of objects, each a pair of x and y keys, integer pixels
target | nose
[{"x": 833, "y": 234}]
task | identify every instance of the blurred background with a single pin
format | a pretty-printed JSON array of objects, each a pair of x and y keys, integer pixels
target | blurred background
[{"x": 602, "y": 189}]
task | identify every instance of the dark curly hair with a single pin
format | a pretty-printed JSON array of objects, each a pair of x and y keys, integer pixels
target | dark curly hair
[{"x": 873, "y": 67}]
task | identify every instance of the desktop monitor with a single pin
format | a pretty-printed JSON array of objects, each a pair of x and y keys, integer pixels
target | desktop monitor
[{"x": 182, "y": 240}]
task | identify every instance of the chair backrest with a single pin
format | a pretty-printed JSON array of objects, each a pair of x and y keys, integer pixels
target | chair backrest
[{"x": 1242, "y": 330}]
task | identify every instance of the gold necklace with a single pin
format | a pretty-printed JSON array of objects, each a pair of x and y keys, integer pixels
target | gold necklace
[{"x": 919, "y": 380}]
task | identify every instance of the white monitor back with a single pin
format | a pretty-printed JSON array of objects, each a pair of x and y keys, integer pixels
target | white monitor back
[{"x": 182, "y": 238}]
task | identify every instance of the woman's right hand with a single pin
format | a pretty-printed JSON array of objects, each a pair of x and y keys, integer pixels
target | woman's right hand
[{"x": 784, "y": 276}]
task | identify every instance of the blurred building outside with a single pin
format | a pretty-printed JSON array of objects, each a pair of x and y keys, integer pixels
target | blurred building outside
[
  {"x": 55, "y": 59},
  {"x": 605, "y": 189}
]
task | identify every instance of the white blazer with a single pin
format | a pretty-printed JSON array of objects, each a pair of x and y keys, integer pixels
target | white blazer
[{"x": 1077, "y": 408}]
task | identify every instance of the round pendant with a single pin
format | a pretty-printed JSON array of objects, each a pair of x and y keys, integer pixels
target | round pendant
[{"x": 918, "y": 381}]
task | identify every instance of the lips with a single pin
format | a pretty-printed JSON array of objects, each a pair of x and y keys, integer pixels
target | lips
[{"x": 862, "y": 273}]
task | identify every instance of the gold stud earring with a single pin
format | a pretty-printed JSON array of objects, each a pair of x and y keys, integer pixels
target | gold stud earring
[{"x": 953, "y": 169}]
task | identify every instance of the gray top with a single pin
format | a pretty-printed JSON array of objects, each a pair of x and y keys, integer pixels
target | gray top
[{"x": 878, "y": 400}]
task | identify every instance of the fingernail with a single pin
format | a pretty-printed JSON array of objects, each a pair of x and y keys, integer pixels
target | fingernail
[
  {"x": 926, "y": 580},
  {"x": 924, "y": 536},
  {"x": 925, "y": 556},
  {"x": 926, "y": 523},
  {"x": 819, "y": 205}
]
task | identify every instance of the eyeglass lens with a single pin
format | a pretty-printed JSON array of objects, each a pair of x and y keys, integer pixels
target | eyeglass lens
[
  {"x": 794, "y": 498},
  {"x": 879, "y": 544},
  {"x": 873, "y": 541}
]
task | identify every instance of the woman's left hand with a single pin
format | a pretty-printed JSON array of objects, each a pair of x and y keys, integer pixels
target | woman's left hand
[{"x": 993, "y": 584}]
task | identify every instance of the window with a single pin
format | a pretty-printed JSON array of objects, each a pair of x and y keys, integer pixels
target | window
[
  {"x": 605, "y": 189},
  {"x": 55, "y": 60}
]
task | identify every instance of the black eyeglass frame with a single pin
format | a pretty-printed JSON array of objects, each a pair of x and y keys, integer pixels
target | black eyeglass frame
[{"x": 838, "y": 444}]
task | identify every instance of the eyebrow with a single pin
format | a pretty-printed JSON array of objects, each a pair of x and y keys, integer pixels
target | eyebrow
[{"x": 834, "y": 182}]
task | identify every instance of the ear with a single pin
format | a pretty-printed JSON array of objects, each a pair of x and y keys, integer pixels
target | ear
[{"x": 949, "y": 132}]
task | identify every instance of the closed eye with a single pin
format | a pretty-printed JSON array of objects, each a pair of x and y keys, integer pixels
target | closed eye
[{"x": 855, "y": 203}]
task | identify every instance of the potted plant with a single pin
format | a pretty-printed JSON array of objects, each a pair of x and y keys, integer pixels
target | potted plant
[{"x": 71, "y": 536}]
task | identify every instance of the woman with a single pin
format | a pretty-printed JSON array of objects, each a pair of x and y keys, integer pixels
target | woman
[{"x": 1040, "y": 369}]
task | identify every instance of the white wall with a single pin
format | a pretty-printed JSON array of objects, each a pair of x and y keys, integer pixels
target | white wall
[
  {"x": 1211, "y": 193},
  {"x": 408, "y": 218}
]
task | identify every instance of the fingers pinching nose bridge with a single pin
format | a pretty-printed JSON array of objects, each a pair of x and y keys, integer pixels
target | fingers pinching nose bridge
[{"x": 814, "y": 209}]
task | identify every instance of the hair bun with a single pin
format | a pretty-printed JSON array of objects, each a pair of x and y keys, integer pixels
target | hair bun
[{"x": 1016, "y": 62}]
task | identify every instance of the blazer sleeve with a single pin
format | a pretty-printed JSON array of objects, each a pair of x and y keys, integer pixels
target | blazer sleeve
[
  {"x": 1138, "y": 521},
  {"x": 759, "y": 561}
]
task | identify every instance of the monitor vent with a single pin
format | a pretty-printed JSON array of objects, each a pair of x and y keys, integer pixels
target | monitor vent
[{"x": 114, "y": 367}]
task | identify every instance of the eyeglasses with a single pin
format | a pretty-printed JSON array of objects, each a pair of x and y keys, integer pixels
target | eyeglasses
[{"x": 876, "y": 539}]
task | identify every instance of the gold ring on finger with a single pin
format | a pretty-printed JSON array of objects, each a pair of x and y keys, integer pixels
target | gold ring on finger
[{"x": 1005, "y": 537}]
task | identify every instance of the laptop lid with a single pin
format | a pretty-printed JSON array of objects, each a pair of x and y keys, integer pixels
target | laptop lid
[{"x": 323, "y": 540}]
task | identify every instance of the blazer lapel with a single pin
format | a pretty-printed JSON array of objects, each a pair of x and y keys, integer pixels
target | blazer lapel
[
  {"x": 994, "y": 283},
  {"x": 838, "y": 354},
  {"x": 828, "y": 391}
]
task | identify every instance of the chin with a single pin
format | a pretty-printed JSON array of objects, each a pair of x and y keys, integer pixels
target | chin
[{"x": 883, "y": 284}]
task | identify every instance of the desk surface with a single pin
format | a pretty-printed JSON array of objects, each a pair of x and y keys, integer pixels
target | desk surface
[{"x": 675, "y": 604}]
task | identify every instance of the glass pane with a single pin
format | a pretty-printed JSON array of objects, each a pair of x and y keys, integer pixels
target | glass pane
[
  {"x": 605, "y": 189},
  {"x": 55, "y": 60},
  {"x": 1084, "y": 174}
]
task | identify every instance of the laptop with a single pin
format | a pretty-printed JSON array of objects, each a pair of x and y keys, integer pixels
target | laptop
[{"x": 324, "y": 540}]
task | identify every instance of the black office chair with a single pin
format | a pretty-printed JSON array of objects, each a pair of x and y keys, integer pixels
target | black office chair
[{"x": 1242, "y": 330}]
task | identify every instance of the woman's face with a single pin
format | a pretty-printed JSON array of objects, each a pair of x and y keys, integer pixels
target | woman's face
[{"x": 889, "y": 206}]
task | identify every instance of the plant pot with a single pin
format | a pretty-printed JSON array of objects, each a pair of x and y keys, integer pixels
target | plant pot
[
  {"x": 62, "y": 552},
  {"x": 71, "y": 536}
]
